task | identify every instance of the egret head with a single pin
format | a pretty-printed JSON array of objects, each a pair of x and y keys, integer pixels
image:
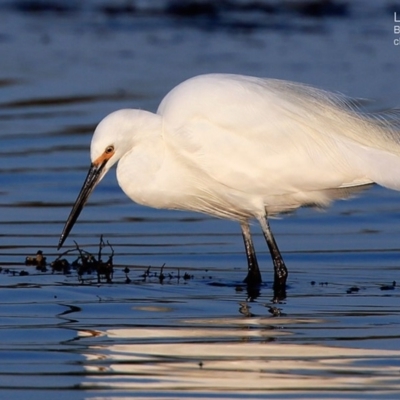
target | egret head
[
  {"x": 113, "y": 137},
  {"x": 111, "y": 140}
]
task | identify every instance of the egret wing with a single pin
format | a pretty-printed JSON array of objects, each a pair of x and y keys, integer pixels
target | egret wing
[{"x": 259, "y": 136}]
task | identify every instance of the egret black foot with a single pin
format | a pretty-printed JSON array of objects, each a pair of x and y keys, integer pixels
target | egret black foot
[
  {"x": 253, "y": 282},
  {"x": 279, "y": 294},
  {"x": 279, "y": 288},
  {"x": 253, "y": 292},
  {"x": 253, "y": 277}
]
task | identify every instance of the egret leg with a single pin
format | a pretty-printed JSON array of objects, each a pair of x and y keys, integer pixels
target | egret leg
[
  {"x": 253, "y": 277},
  {"x": 280, "y": 270}
]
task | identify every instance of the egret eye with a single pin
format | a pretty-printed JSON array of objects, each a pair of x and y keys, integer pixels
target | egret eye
[{"x": 109, "y": 149}]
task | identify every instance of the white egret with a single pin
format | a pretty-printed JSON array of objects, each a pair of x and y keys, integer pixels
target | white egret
[{"x": 244, "y": 148}]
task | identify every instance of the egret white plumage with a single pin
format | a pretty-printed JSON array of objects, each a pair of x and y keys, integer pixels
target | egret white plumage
[{"x": 244, "y": 148}]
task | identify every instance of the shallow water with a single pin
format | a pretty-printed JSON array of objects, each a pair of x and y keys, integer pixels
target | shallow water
[{"x": 337, "y": 333}]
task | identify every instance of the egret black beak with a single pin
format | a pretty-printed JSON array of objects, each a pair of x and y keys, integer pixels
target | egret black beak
[{"x": 93, "y": 177}]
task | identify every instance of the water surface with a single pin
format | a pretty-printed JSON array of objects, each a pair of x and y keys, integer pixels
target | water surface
[{"x": 337, "y": 333}]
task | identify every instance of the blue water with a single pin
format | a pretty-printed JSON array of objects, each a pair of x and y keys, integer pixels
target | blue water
[{"x": 63, "y": 67}]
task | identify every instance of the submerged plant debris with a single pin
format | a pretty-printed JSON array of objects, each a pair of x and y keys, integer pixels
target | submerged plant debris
[
  {"x": 39, "y": 260},
  {"x": 85, "y": 264}
]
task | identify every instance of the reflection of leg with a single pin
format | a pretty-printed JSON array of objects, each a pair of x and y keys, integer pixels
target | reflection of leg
[
  {"x": 253, "y": 275},
  {"x": 280, "y": 270}
]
